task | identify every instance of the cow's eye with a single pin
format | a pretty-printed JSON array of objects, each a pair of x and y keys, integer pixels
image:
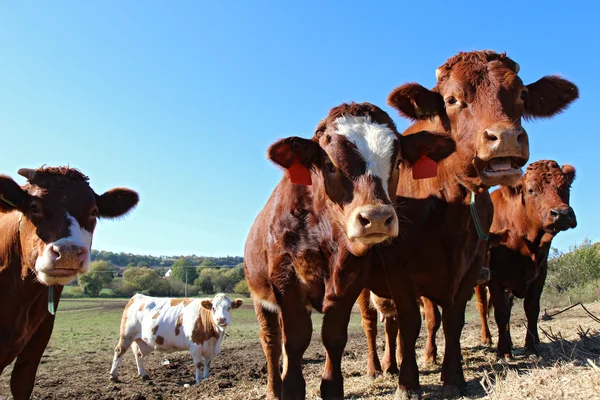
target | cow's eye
[
  {"x": 330, "y": 168},
  {"x": 523, "y": 95},
  {"x": 229, "y": 309},
  {"x": 531, "y": 191},
  {"x": 34, "y": 208},
  {"x": 451, "y": 100},
  {"x": 95, "y": 213},
  {"x": 398, "y": 163}
]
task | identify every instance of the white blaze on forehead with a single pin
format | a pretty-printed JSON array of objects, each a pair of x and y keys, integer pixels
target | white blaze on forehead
[
  {"x": 220, "y": 301},
  {"x": 79, "y": 235},
  {"x": 374, "y": 142}
]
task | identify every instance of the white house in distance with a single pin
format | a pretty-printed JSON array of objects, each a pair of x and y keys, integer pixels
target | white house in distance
[{"x": 168, "y": 273}]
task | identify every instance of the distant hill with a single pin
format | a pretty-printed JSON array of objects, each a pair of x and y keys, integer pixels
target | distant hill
[{"x": 128, "y": 259}]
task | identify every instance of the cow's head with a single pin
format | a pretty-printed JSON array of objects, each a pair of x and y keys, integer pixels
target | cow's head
[
  {"x": 221, "y": 307},
  {"x": 544, "y": 189},
  {"x": 480, "y": 98},
  {"x": 354, "y": 157},
  {"x": 59, "y": 211}
]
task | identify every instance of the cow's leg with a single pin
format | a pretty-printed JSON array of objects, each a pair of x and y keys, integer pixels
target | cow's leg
[
  {"x": 196, "y": 352},
  {"x": 482, "y": 307},
  {"x": 433, "y": 321},
  {"x": 502, "y": 317},
  {"x": 26, "y": 364},
  {"x": 453, "y": 319},
  {"x": 335, "y": 336},
  {"x": 369, "y": 324},
  {"x": 409, "y": 322},
  {"x": 297, "y": 331},
  {"x": 532, "y": 310},
  {"x": 389, "y": 362},
  {"x": 140, "y": 350},
  {"x": 207, "y": 361},
  {"x": 270, "y": 338},
  {"x": 124, "y": 344}
]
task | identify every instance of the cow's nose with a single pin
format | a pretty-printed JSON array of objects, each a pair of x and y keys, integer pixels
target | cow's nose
[
  {"x": 64, "y": 251},
  {"x": 566, "y": 215},
  {"x": 222, "y": 321},
  {"x": 372, "y": 221}
]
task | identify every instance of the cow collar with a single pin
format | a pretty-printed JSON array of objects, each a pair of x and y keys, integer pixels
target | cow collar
[
  {"x": 51, "y": 306},
  {"x": 480, "y": 232}
]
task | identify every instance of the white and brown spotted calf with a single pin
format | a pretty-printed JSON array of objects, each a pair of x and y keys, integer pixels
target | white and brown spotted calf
[{"x": 171, "y": 324}]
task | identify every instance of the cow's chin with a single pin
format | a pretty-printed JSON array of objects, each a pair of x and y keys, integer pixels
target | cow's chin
[
  {"x": 504, "y": 171},
  {"x": 360, "y": 246}
]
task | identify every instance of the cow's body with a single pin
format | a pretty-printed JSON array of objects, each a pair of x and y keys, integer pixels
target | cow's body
[
  {"x": 172, "y": 324},
  {"x": 527, "y": 216},
  {"x": 479, "y": 100},
  {"x": 309, "y": 246},
  {"x": 46, "y": 230}
]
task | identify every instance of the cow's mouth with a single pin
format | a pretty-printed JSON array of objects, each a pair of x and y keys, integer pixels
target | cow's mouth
[
  {"x": 61, "y": 272},
  {"x": 503, "y": 166}
]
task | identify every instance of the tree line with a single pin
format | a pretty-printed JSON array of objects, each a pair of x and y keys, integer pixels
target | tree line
[
  {"x": 104, "y": 280},
  {"x": 136, "y": 260}
]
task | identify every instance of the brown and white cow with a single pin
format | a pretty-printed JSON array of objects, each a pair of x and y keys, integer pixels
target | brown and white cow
[
  {"x": 174, "y": 324},
  {"x": 46, "y": 229},
  {"x": 479, "y": 100},
  {"x": 527, "y": 216},
  {"x": 309, "y": 246}
]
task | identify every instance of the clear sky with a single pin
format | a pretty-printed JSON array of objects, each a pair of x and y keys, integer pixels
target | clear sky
[{"x": 180, "y": 100}]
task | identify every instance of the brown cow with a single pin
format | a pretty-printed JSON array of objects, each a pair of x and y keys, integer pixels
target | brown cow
[
  {"x": 46, "y": 229},
  {"x": 527, "y": 216},
  {"x": 479, "y": 99},
  {"x": 309, "y": 246}
]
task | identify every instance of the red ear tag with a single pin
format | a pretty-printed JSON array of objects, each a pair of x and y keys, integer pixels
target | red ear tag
[
  {"x": 425, "y": 167},
  {"x": 299, "y": 174}
]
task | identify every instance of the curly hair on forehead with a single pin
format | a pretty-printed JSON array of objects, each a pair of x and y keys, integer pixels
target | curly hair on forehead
[
  {"x": 476, "y": 62},
  {"x": 545, "y": 171},
  {"x": 67, "y": 172}
]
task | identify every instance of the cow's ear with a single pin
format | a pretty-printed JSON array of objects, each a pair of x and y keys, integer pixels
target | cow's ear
[
  {"x": 416, "y": 102},
  {"x": 549, "y": 96},
  {"x": 12, "y": 197},
  {"x": 116, "y": 202},
  {"x": 206, "y": 304},
  {"x": 297, "y": 155},
  {"x": 237, "y": 303},
  {"x": 436, "y": 147},
  {"x": 569, "y": 172}
]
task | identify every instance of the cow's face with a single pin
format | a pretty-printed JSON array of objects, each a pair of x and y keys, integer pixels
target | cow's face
[
  {"x": 481, "y": 99},
  {"x": 59, "y": 211},
  {"x": 221, "y": 307},
  {"x": 545, "y": 192},
  {"x": 354, "y": 157}
]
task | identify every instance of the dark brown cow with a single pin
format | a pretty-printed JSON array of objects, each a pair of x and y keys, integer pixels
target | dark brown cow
[
  {"x": 480, "y": 100},
  {"x": 46, "y": 230},
  {"x": 309, "y": 246},
  {"x": 527, "y": 216}
]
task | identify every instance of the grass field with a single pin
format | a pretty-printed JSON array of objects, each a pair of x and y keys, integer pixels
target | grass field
[{"x": 78, "y": 359}]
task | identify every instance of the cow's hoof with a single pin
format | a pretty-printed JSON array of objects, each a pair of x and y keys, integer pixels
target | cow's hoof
[
  {"x": 407, "y": 394},
  {"x": 114, "y": 379},
  {"x": 145, "y": 378},
  {"x": 373, "y": 374},
  {"x": 451, "y": 392}
]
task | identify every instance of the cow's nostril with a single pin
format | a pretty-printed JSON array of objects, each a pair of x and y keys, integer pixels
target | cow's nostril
[
  {"x": 389, "y": 221},
  {"x": 55, "y": 252},
  {"x": 554, "y": 214},
  {"x": 522, "y": 138},
  {"x": 363, "y": 221},
  {"x": 490, "y": 136}
]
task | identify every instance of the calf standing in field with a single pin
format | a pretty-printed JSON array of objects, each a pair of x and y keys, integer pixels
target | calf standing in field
[
  {"x": 171, "y": 324},
  {"x": 527, "y": 216},
  {"x": 309, "y": 246}
]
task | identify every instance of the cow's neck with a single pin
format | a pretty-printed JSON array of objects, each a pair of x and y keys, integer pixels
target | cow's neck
[{"x": 22, "y": 286}]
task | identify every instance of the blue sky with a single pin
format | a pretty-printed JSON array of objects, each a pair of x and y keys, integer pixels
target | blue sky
[{"x": 180, "y": 100}]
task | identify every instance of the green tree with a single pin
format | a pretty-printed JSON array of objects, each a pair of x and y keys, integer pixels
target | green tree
[
  {"x": 208, "y": 263},
  {"x": 139, "y": 279},
  {"x": 180, "y": 268},
  {"x": 99, "y": 276},
  {"x": 242, "y": 288},
  {"x": 206, "y": 281}
]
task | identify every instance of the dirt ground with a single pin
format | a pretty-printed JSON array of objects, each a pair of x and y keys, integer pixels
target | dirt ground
[{"x": 240, "y": 371}]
